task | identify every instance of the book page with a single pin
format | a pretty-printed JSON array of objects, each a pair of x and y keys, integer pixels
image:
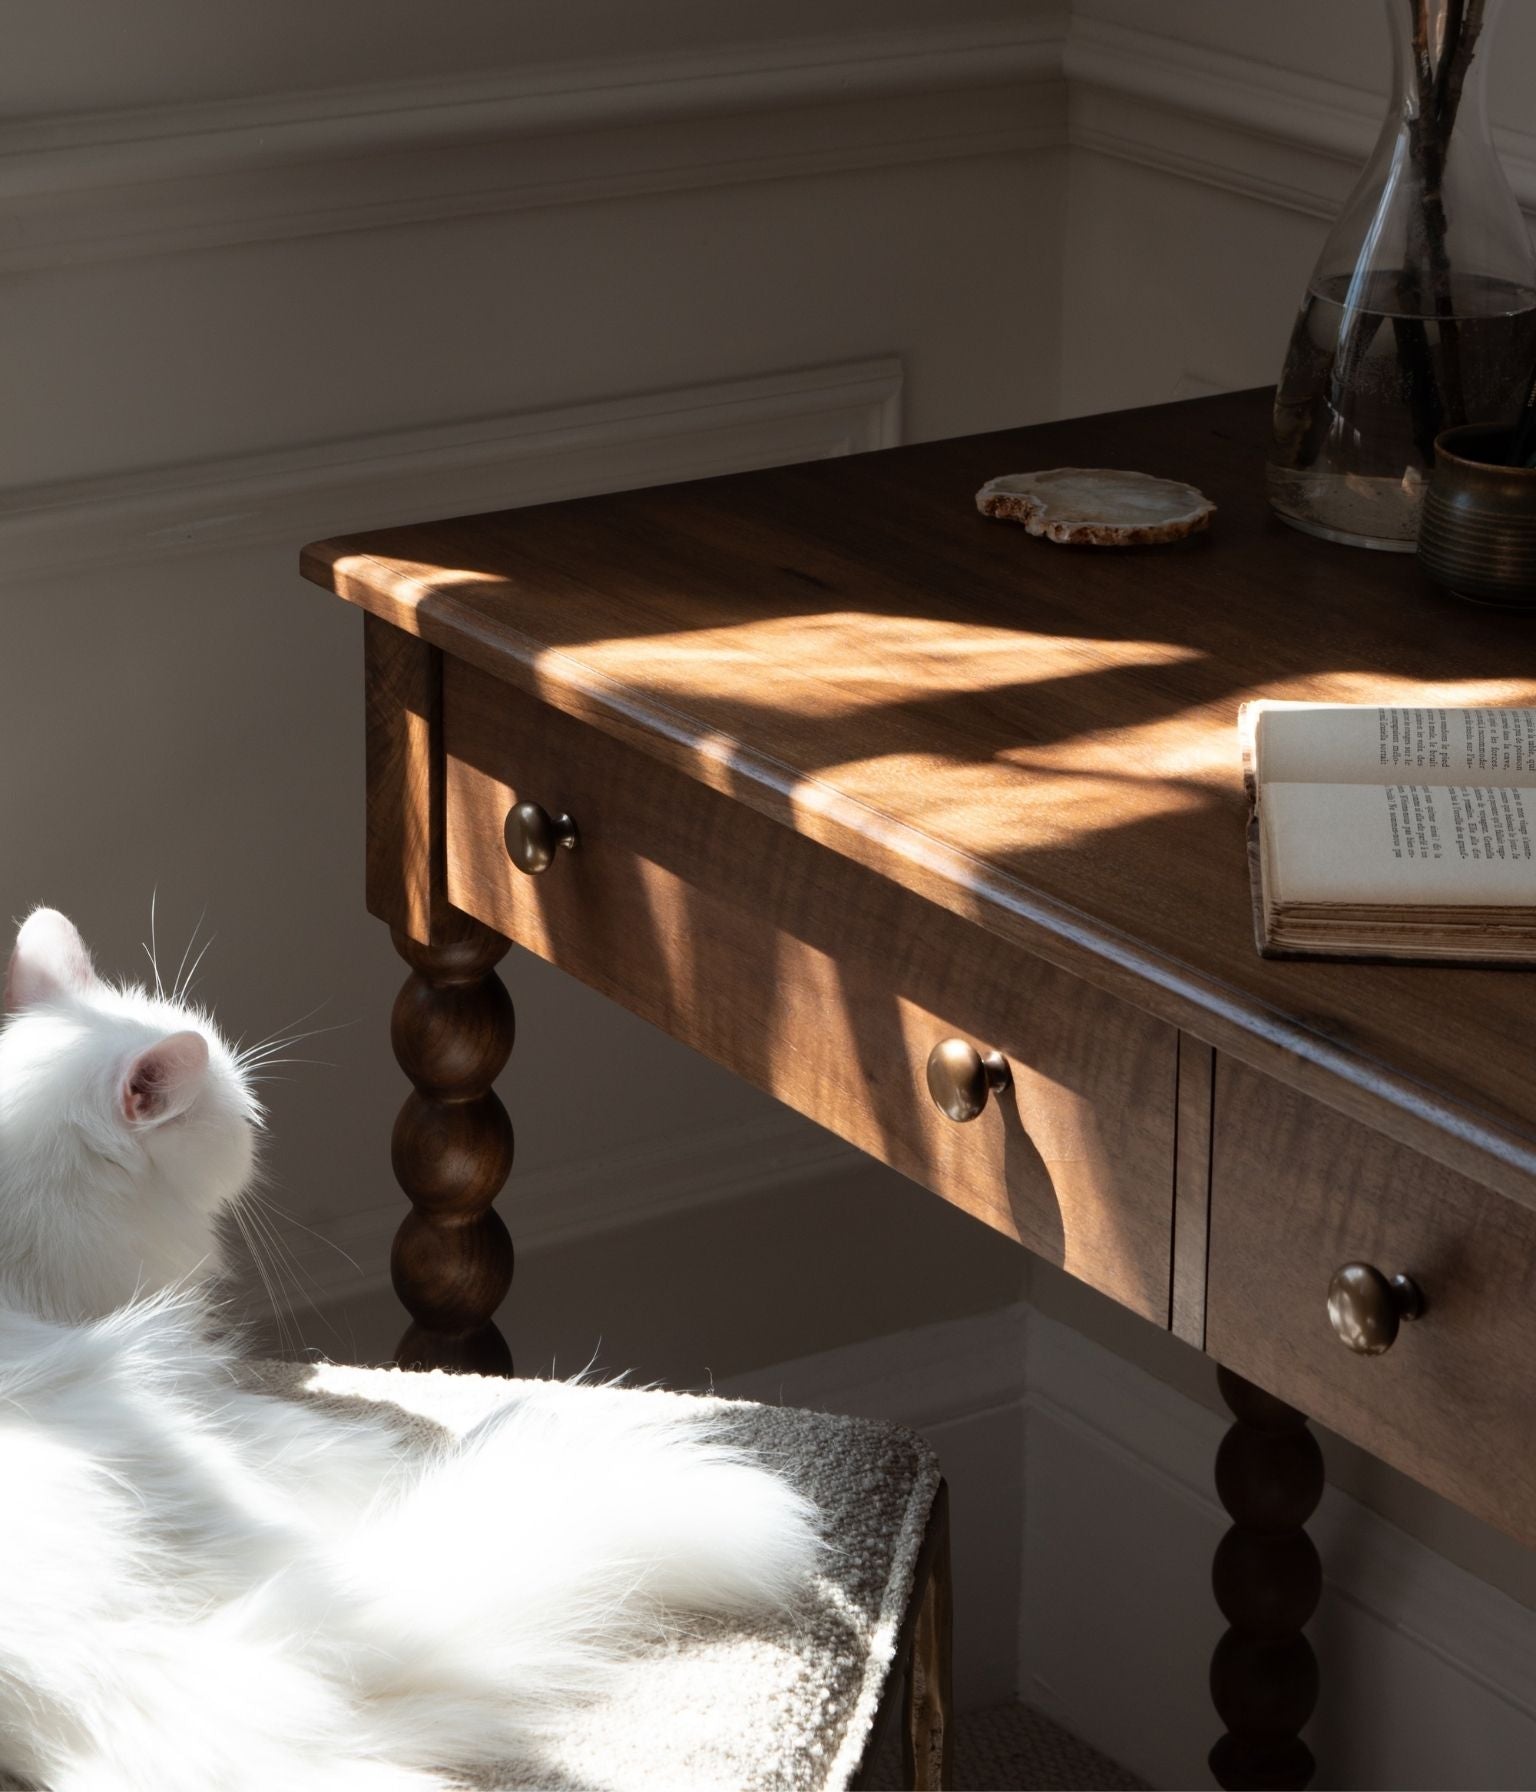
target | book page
[
  {"x": 1399, "y": 843},
  {"x": 1349, "y": 744}
]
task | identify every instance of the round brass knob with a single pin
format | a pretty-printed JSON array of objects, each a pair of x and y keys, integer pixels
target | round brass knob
[
  {"x": 960, "y": 1077},
  {"x": 533, "y": 835},
  {"x": 1366, "y": 1309}
]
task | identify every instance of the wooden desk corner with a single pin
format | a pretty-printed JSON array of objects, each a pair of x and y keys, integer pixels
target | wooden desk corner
[{"x": 821, "y": 771}]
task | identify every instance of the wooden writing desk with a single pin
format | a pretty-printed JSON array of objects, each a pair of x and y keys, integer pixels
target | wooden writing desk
[{"x": 854, "y": 771}]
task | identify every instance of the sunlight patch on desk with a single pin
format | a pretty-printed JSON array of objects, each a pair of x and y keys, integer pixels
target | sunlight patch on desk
[
  {"x": 406, "y": 584},
  {"x": 962, "y": 803},
  {"x": 843, "y": 662},
  {"x": 1380, "y": 687}
]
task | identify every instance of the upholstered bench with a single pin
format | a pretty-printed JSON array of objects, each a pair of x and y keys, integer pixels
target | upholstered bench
[{"x": 786, "y": 1705}]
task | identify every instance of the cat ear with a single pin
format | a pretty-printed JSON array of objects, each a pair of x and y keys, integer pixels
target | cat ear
[
  {"x": 164, "y": 1080},
  {"x": 50, "y": 960}
]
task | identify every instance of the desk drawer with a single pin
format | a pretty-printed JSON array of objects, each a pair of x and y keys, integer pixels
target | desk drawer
[
  {"x": 1296, "y": 1191},
  {"x": 823, "y": 984}
]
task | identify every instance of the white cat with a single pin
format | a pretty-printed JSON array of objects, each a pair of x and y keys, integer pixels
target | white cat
[
  {"x": 204, "y": 1589},
  {"x": 126, "y": 1129}
]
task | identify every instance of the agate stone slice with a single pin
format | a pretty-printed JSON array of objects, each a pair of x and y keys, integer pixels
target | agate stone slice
[{"x": 1097, "y": 506}]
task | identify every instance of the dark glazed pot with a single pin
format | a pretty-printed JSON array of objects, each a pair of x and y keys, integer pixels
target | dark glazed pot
[{"x": 1477, "y": 534}]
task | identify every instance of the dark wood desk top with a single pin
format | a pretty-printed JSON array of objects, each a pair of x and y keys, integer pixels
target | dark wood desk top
[{"x": 1039, "y": 738}]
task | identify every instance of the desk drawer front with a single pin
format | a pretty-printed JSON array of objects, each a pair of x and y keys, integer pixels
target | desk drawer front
[
  {"x": 1297, "y": 1191},
  {"x": 823, "y": 984}
]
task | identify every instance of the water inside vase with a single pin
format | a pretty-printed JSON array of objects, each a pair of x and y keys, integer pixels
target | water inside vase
[{"x": 1367, "y": 386}]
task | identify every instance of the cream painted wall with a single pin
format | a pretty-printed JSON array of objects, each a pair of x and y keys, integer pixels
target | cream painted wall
[
  {"x": 1177, "y": 280},
  {"x": 1218, "y": 315},
  {"x": 260, "y": 346},
  {"x": 91, "y": 55},
  {"x": 191, "y": 724}
]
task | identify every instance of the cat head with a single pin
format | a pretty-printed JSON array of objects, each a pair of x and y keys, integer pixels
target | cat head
[{"x": 126, "y": 1128}]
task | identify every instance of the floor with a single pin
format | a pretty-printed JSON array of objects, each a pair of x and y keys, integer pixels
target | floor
[{"x": 1011, "y": 1748}]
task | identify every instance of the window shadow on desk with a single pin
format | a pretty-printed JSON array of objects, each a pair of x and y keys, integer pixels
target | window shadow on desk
[{"x": 1007, "y": 726}]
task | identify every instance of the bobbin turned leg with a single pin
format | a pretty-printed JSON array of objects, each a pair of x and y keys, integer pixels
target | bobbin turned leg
[
  {"x": 452, "y": 1032},
  {"x": 452, "y": 1025},
  {"x": 1267, "y": 1578}
]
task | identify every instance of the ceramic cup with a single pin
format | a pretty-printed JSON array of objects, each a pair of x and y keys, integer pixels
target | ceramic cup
[{"x": 1477, "y": 533}]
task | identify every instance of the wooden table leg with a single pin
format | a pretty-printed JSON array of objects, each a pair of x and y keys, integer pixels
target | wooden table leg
[
  {"x": 1267, "y": 1578},
  {"x": 452, "y": 1031}
]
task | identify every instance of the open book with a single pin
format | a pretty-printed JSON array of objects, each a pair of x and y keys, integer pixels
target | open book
[{"x": 1392, "y": 833}]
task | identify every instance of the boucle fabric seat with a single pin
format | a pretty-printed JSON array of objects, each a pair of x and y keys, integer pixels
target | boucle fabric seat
[{"x": 784, "y": 1705}]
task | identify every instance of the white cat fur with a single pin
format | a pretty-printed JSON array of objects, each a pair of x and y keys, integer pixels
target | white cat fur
[{"x": 203, "y": 1587}]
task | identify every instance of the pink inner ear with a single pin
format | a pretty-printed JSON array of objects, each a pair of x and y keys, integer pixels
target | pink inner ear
[
  {"x": 163, "y": 1081},
  {"x": 50, "y": 960}
]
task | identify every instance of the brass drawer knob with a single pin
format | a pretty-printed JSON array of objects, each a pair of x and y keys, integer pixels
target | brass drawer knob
[
  {"x": 533, "y": 835},
  {"x": 960, "y": 1078},
  {"x": 1366, "y": 1309}
]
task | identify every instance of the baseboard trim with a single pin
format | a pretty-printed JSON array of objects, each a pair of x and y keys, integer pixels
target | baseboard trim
[
  {"x": 481, "y": 463},
  {"x": 1169, "y": 1442},
  {"x": 346, "y": 1258},
  {"x": 1458, "y": 1630},
  {"x": 932, "y": 1376}
]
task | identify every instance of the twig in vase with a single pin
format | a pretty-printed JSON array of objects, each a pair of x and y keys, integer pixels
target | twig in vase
[{"x": 1437, "y": 402}]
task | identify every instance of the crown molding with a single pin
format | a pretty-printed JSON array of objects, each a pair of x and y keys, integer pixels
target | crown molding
[
  {"x": 105, "y": 185},
  {"x": 1232, "y": 122}
]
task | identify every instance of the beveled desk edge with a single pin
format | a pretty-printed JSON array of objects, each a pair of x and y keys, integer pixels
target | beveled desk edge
[{"x": 1458, "y": 1135}]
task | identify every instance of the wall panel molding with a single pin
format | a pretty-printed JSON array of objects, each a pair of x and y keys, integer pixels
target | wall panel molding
[
  {"x": 157, "y": 180},
  {"x": 487, "y": 463},
  {"x": 1234, "y": 122},
  {"x": 105, "y": 185}
]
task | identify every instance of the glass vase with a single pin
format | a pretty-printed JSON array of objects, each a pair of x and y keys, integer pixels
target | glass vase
[{"x": 1421, "y": 312}]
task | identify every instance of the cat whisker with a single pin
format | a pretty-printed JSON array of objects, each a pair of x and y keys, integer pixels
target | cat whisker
[
  {"x": 261, "y": 1229},
  {"x": 191, "y": 938},
  {"x": 260, "y": 1074},
  {"x": 283, "y": 1262},
  {"x": 299, "y": 1020},
  {"x": 276, "y": 1299},
  {"x": 238, "y": 1221},
  {"x": 153, "y": 948},
  {"x": 181, "y": 991},
  {"x": 281, "y": 1250},
  {"x": 285, "y": 1338},
  {"x": 253, "y": 1198},
  {"x": 291, "y": 1220},
  {"x": 252, "y": 1054}
]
